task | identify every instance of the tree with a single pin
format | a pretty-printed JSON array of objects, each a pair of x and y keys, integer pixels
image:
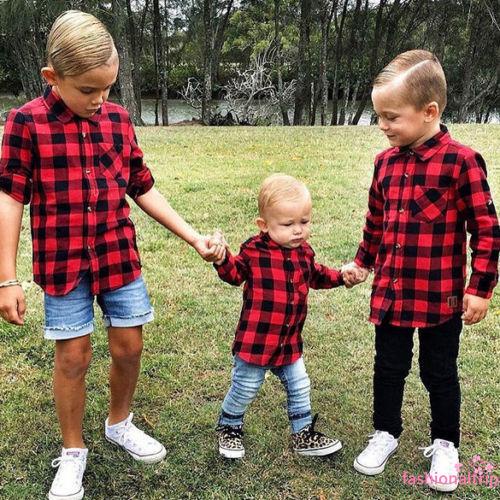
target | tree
[
  {"x": 26, "y": 25},
  {"x": 279, "y": 63},
  {"x": 303, "y": 92},
  {"x": 161, "y": 63},
  {"x": 126, "y": 80}
]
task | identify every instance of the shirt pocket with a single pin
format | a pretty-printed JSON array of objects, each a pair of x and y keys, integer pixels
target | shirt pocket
[
  {"x": 111, "y": 160},
  {"x": 429, "y": 203}
]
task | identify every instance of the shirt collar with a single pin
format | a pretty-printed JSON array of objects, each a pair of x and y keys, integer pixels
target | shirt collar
[
  {"x": 56, "y": 105},
  {"x": 431, "y": 146},
  {"x": 269, "y": 243}
]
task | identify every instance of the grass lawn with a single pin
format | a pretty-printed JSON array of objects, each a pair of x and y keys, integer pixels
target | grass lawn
[{"x": 211, "y": 176}]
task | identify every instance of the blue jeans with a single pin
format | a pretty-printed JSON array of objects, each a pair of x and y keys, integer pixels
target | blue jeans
[
  {"x": 246, "y": 380},
  {"x": 72, "y": 315}
]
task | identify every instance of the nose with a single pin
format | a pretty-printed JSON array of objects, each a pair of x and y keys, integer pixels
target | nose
[
  {"x": 382, "y": 124},
  {"x": 98, "y": 100},
  {"x": 297, "y": 229}
]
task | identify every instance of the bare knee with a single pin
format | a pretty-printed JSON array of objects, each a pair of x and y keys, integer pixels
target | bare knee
[
  {"x": 126, "y": 353},
  {"x": 72, "y": 361}
]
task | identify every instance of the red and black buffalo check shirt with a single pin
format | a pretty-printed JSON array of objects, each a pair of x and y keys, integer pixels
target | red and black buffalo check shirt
[
  {"x": 421, "y": 201},
  {"x": 277, "y": 281},
  {"x": 76, "y": 173}
]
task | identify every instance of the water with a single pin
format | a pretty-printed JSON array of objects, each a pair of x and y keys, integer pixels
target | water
[{"x": 179, "y": 111}]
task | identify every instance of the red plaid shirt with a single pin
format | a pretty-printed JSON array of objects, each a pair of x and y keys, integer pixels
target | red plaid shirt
[
  {"x": 76, "y": 173},
  {"x": 420, "y": 203},
  {"x": 277, "y": 281}
]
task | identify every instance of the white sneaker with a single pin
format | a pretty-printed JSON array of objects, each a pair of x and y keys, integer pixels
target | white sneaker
[
  {"x": 67, "y": 484},
  {"x": 443, "y": 475},
  {"x": 372, "y": 459},
  {"x": 134, "y": 441}
]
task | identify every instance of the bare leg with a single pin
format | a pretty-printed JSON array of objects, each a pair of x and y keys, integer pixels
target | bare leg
[
  {"x": 72, "y": 358},
  {"x": 125, "y": 347}
]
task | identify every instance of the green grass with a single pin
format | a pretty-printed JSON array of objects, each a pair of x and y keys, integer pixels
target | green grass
[{"x": 211, "y": 176}]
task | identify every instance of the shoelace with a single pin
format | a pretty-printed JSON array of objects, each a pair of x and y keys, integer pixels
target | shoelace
[
  {"x": 438, "y": 451},
  {"x": 230, "y": 431},
  {"x": 131, "y": 434},
  {"x": 67, "y": 461},
  {"x": 309, "y": 430},
  {"x": 378, "y": 441}
]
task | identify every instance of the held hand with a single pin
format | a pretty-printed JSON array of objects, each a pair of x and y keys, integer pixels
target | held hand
[
  {"x": 475, "y": 309},
  {"x": 353, "y": 274},
  {"x": 217, "y": 239},
  {"x": 12, "y": 305},
  {"x": 209, "y": 252}
]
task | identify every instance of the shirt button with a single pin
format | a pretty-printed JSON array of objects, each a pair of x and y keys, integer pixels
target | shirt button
[
  {"x": 394, "y": 280},
  {"x": 398, "y": 246},
  {"x": 401, "y": 210},
  {"x": 84, "y": 135},
  {"x": 87, "y": 171},
  {"x": 290, "y": 281},
  {"x": 89, "y": 209},
  {"x": 406, "y": 175},
  {"x": 89, "y": 248},
  {"x": 288, "y": 325}
]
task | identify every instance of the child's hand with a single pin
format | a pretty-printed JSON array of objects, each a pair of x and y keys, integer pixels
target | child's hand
[
  {"x": 209, "y": 251},
  {"x": 475, "y": 309},
  {"x": 353, "y": 274},
  {"x": 217, "y": 239},
  {"x": 12, "y": 304}
]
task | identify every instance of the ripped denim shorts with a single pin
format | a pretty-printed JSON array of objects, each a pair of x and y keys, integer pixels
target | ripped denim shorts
[{"x": 72, "y": 315}]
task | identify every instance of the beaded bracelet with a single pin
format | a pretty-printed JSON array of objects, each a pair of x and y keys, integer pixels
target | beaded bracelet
[{"x": 7, "y": 283}]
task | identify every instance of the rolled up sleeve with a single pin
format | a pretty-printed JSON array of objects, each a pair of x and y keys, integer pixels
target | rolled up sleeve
[
  {"x": 16, "y": 160},
  {"x": 141, "y": 179}
]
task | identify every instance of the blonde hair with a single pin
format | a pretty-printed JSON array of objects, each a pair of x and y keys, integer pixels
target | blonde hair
[
  {"x": 421, "y": 75},
  {"x": 78, "y": 42},
  {"x": 280, "y": 187}
]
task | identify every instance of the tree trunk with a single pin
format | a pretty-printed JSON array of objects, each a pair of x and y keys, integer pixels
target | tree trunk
[
  {"x": 127, "y": 92},
  {"x": 161, "y": 77},
  {"x": 208, "y": 20},
  {"x": 378, "y": 32},
  {"x": 279, "y": 60},
  {"x": 220, "y": 31},
  {"x": 338, "y": 57},
  {"x": 467, "y": 71},
  {"x": 135, "y": 52},
  {"x": 326, "y": 19},
  {"x": 302, "y": 96}
]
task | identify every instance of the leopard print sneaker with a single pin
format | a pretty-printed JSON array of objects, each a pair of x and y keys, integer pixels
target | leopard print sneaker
[
  {"x": 231, "y": 441},
  {"x": 313, "y": 443}
]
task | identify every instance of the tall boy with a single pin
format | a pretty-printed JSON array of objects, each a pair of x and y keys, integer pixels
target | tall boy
[
  {"x": 75, "y": 157},
  {"x": 427, "y": 190}
]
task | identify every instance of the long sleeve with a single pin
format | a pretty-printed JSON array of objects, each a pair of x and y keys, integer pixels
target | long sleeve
[
  {"x": 16, "y": 158},
  {"x": 141, "y": 179},
  {"x": 234, "y": 270},
  {"x": 476, "y": 204},
  {"x": 372, "y": 232},
  {"x": 325, "y": 277}
]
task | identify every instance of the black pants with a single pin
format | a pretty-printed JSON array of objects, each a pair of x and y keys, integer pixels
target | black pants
[{"x": 438, "y": 371}]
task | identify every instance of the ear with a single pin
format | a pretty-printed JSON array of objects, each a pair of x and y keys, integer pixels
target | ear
[
  {"x": 49, "y": 75},
  {"x": 431, "y": 111},
  {"x": 261, "y": 224}
]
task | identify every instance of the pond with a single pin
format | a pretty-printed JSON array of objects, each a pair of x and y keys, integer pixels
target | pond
[{"x": 179, "y": 110}]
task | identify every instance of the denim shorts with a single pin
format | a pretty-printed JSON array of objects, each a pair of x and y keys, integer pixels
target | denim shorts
[{"x": 72, "y": 315}]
